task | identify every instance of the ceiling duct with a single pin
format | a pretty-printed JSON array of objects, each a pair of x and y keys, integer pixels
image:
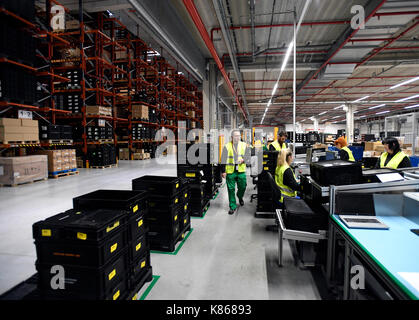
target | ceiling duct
[{"x": 337, "y": 71}]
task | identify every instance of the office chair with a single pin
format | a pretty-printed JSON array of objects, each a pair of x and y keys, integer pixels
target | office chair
[
  {"x": 254, "y": 196},
  {"x": 276, "y": 196}
]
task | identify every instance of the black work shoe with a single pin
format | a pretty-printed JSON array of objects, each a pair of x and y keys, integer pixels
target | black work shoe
[
  {"x": 241, "y": 202},
  {"x": 231, "y": 211}
]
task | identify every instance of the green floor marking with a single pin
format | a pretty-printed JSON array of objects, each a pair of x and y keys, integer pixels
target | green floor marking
[
  {"x": 150, "y": 286},
  {"x": 177, "y": 249},
  {"x": 205, "y": 212}
]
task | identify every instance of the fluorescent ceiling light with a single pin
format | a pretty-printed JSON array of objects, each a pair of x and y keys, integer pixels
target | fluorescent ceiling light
[
  {"x": 322, "y": 113},
  {"x": 404, "y": 82},
  {"x": 287, "y": 55},
  {"x": 387, "y": 111},
  {"x": 341, "y": 106},
  {"x": 408, "y": 98},
  {"x": 410, "y": 107},
  {"x": 360, "y": 99},
  {"x": 274, "y": 89},
  {"x": 336, "y": 117},
  {"x": 379, "y": 106}
]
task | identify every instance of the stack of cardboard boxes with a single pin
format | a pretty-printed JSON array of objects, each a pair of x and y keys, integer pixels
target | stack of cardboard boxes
[
  {"x": 18, "y": 170},
  {"x": 141, "y": 155},
  {"x": 190, "y": 113},
  {"x": 60, "y": 160},
  {"x": 140, "y": 111},
  {"x": 373, "y": 149},
  {"x": 99, "y": 110},
  {"x": 123, "y": 153},
  {"x": 18, "y": 130}
]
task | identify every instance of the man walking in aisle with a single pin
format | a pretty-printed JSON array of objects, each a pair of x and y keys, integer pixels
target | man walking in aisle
[{"x": 234, "y": 157}]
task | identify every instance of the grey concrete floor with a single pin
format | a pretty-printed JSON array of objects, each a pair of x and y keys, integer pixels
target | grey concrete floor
[{"x": 225, "y": 257}]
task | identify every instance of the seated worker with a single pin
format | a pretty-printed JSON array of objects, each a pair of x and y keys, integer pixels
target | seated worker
[
  {"x": 394, "y": 157},
  {"x": 284, "y": 176},
  {"x": 344, "y": 152},
  {"x": 279, "y": 143}
]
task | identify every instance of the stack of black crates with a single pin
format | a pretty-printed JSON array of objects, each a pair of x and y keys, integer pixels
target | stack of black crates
[
  {"x": 201, "y": 178},
  {"x": 168, "y": 217},
  {"x": 17, "y": 84},
  {"x": 102, "y": 155},
  {"x": 100, "y": 246},
  {"x": 265, "y": 194}
]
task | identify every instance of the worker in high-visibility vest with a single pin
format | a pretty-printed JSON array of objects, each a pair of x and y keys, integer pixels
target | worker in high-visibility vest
[
  {"x": 394, "y": 157},
  {"x": 284, "y": 176},
  {"x": 279, "y": 143},
  {"x": 234, "y": 157},
  {"x": 344, "y": 152}
]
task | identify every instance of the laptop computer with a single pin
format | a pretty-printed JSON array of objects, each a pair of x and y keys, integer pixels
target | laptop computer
[{"x": 362, "y": 222}]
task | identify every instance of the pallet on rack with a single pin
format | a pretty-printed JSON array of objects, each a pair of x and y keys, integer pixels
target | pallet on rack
[
  {"x": 105, "y": 141},
  {"x": 28, "y": 143},
  {"x": 23, "y": 183},
  {"x": 59, "y": 141},
  {"x": 64, "y": 173}
]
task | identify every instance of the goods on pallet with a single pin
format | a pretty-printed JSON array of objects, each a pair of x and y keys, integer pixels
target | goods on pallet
[
  {"x": 18, "y": 130},
  {"x": 167, "y": 218},
  {"x": 96, "y": 133},
  {"x": 102, "y": 243},
  {"x": 124, "y": 154},
  {"x": 140, "y": 112},
  {"x": 102, "y": 155},
  {"x": 99, "y": 110},
  {"x": 18, "y": 170},
  {"x": 60, "y": 160}
]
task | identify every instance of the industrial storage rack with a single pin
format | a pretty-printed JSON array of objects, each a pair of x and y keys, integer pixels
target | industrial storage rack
[{"x": 108, "y": 82}]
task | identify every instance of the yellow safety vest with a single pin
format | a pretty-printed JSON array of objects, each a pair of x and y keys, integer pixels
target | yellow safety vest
[
  {"x": 241, "y": 150},
  {"x": 351, "y": 156},
  {"x": 277, "y": 146},
  {"x": 279, "y": 179},
  {"x": 258, "y": 143},
  {"x": 394, "y": 162}
]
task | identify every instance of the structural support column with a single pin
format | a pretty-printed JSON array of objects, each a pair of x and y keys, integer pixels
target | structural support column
[
  {"x": 210, "y": 97},
  {"x": 350, "y": 109}
]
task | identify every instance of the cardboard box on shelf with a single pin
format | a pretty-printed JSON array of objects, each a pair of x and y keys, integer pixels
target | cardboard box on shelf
[
  {"x": 99, "y": 110},
  {"x": 10, "y": 129},
  {"x": 33, "y": 130},
  {"x": 11, "y": 137},
  {"x": 30, "y": 123},
  {"x": 31, "y": 137},
  {"x": 17, "y": 170},
  {"x": 10, "y": 122},
  {"x": 376, "y": 154}
]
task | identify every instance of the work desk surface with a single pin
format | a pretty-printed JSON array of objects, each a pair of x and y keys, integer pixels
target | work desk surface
[{"x": 395, "y": 250}]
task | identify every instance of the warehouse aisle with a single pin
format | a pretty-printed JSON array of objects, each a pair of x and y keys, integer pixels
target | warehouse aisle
[{"x": 225, "y": 257}]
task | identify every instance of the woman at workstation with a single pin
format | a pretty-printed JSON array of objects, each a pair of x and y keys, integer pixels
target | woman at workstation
[
  {"x": 284, "y": 176},
  {"x": 394, "y": 157},
  {"x": 344, "y": 152}
]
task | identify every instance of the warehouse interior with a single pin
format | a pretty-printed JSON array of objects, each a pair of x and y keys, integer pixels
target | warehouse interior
[{"x": 116, "y": 118}]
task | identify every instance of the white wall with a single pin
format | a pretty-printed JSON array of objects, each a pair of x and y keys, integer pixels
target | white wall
[{"x": 326, "y": 128}]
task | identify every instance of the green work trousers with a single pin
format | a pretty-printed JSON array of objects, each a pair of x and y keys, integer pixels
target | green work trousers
[{"x": 240, "y": 178}]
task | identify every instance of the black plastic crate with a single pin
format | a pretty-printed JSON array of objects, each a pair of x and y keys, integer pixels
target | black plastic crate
[
  {"x": 83, "y": 225},
  {"x": 336, "y": 172},
  {"x": 135, "y": 285},
  {"x": 184, "y": 221},
  {"x": 131, "y": 201},
  {"x": 163, "y": 219},
  {"x": 165, "y": 204},
  {"x": 138, "y": 247},
  {"x": 84, "y": 282},
  {"x": 137, "y": 226},
  {"x": 163, "y": 234},
  {"x": 140, "y": 266},
  {"x": 81, "y": 253},
  {"x": 157, "y": 185}
]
